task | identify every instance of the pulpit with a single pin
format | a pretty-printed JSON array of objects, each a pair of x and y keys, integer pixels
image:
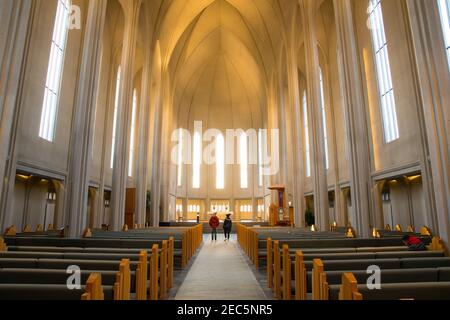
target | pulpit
[{"x": 279, "y": 215}]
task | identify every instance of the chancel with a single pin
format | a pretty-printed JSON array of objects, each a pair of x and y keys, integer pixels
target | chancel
[{"x": 320, "y": 127}]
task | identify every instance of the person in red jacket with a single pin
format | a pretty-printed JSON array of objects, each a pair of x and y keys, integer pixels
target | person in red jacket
[
  {"x": 414, "y": 243},
  {"x": 214, "y": 223}
]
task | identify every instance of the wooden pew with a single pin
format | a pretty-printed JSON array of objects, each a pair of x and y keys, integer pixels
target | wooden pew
[
  {"x": 436, "y": 245},
  {"x": 123, "y": 283},
  {"x": 269, "y": 263},
  {"x": 170, "y": 263},
  {"x": 349, "y": 288},
  {"x": 154, "y": 270},
  {"x": 319, "y": 282},
  {"x": 191, "y": 241},
  {"x": 287, "y": 289},
  {"x": 3, "y": 247},
  {"x": 277, "y": 269},
  {"x": 10, "y": 232},
  {"x": 94, "y": 290},
  {"x": 141, "y": 276},
  {"x": 248, "y": 240},
  {"x": 163, "y": 271},
  {"x": 300, "y": 277}
]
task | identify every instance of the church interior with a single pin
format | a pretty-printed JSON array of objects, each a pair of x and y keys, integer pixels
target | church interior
[{"x": 321, "y": 128}]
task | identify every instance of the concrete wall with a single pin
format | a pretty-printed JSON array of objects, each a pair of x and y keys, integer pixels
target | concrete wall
[{"x": 404, "y": 151}]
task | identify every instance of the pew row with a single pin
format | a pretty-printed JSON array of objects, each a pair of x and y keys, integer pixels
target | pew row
[
  {"x": 393, "y": 270},
  {"x": 281, "y": 268},
  {"x": 350, "y": 290},
  {"x": 160, "y": 269}
]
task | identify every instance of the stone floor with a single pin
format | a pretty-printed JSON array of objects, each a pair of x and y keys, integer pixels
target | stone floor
[{"x": 220, "y": 271}]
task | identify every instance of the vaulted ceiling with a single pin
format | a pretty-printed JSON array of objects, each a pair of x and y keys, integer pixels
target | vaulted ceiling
[{"x": 219, "y": 55}]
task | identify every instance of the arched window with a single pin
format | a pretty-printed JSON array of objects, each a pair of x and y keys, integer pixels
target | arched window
[
  {"x": 132, "y": 134},
  {"x": 306, "y": 135},
  {"x": 243, "y": 156},
  {"x": 116, "y": 109},
  {"x": 324, "y": 119},
  {"x": 220, "y": 162},
  {"x": 55, "y": 71},
  {"x": 385, "y": 85},
  {"x": 197, "y": 161},
  {"x": 444, "y": 9}
]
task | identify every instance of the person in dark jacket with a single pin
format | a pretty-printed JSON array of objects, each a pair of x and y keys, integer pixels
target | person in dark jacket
[
  {"x": 227, "y": 225},
  {"x": 414, "y": 243},
  {"x": 214, "y": 223}
]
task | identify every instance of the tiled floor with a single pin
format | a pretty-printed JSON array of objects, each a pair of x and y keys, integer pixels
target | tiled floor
[{"x": 220, "y": 272}]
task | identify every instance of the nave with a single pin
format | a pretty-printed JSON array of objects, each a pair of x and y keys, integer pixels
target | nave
[{"x": 221, "y": 272}]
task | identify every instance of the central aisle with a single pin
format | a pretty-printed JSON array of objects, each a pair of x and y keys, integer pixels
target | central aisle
[{"x": 220, "y": 272}]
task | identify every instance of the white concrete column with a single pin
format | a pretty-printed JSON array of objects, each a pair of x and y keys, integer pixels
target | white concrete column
[
  {"x": 434, "y": 83},
  {"x": 156, "y": 161},
  {"x": 378, "y": 204},
  {"x": 356, "y": 120},
  {"x": 82, "y": 132},
  {"x": 144, "y": 136},
  {"x": 15, "y": 21},
  {"x": 120, "y": 171},
  {"x": 296, "y": 136},
  {"x": 319, "y": 172}
]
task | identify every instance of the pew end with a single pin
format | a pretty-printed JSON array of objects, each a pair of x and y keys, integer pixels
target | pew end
[
  {"x": 425, "y": 231},
  {"x": 94, "y": 290},
  {"x": 349, "y": 288},
  {"x": 154, "y": 273},
  {"x": 269, "y": 258},
  {"x": 141, "y": 276},
  {"x": 350, "y": 233},
  {"x": 10, "y": 232},
  {"x": 123, "y": 281},
  {"x": 287, "y": 295},
  {"x": 437, "y": 244},
  {"x": 87, "y": 233},
  {"x": 300, "y": 276},
  {"x": 3, "y": 247}
]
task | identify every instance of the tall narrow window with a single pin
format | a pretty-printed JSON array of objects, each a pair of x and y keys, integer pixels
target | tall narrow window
[
  {"x": 444, "y": 8},
  {"x": 220, "y": 162},
  {"x": 385, "y": 86},
  {"x": 324, "y": 119},
  {"x": 197, "y": 161},
  {"x": 260, "y": 159},
  {"x": 306, "y": 134},
  {"x": 243, "y": 156},
  {"x": 116, "y": 109},
  {"x": 55, "y": 71},
  {"x": 132, "y": 134},
  {"x": 180, "y": 158}
]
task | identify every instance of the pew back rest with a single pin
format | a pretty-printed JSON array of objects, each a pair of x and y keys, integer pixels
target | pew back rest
[
  {"x": 433, "y": 262},
  {"x": 57, "y": 277},
  {"x": 45, "y": 292}
]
